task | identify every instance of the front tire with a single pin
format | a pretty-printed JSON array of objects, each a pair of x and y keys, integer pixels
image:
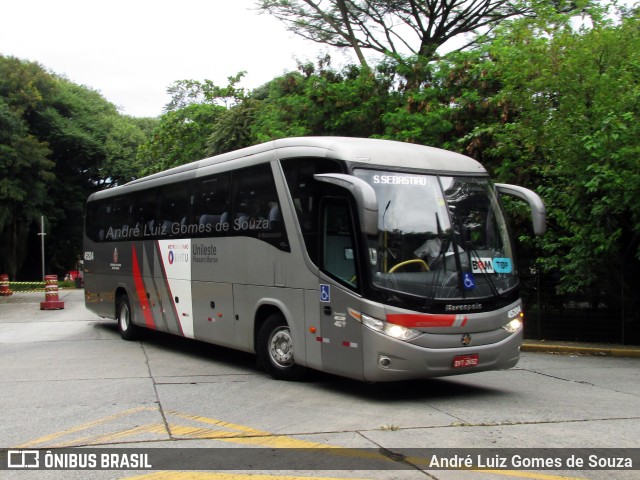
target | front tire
[
  {"x": 276, "y": 350},
  {"x": 128, "y": 330}
]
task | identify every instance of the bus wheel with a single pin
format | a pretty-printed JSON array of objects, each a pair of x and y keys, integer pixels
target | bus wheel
[
  {"x": 275, "y": 349},
  {"x": 127, "y": 329}
]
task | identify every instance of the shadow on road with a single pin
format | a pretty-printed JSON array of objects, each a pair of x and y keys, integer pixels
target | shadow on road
[{"x": 408, "y": 390}]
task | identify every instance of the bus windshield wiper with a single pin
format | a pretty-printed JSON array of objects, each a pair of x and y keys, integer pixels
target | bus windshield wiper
[
  {"x": 385, "y": 243},
  {"x": 445, "y": 243},
  {"x": 456, "y": 254}
]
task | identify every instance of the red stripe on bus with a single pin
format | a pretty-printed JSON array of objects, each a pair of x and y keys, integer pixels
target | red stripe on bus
[
  {"x": 141, "y": 291},
  {"x": 165, "y": 279},
  {"x": 412, "y": 320}
]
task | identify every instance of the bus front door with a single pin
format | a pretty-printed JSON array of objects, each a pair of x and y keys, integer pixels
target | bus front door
[{"x": 341, "y": 334}]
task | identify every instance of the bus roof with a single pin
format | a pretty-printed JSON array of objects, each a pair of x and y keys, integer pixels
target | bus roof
[
  {"x": 360, "y": 151},
  {"x": 382, "y": 153}
]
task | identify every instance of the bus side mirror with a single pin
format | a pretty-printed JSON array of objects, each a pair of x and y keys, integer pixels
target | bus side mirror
[
  {"x": 538, "y": 211},
  {"x": 364, "y": 195}
]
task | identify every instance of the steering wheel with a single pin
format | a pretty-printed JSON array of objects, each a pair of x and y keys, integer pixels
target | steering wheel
[{"x": 409, "y": 262}]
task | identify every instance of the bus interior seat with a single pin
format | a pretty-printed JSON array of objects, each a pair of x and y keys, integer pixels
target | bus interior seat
[
  {"x": 207, "y": 219},
  {"x": 166, "y": 227},
  {"x": 275, "y": 217}
]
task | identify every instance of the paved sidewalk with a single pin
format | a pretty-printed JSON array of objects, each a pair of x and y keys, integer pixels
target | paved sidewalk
[{"x": 579, "y": 348}]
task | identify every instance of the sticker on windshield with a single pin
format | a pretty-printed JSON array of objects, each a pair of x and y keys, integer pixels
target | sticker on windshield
[
  {"x": 469, "y": 281},
  {"x": 502, "y": 265},
  {"x": 491, "y": 265},
  {"x": 482, "y": 265}
]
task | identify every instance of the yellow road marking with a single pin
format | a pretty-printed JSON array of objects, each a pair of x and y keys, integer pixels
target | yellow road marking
[
  {"x": 170, "y": 475},
  {"x": 227, "y": 476},
  {"x": 84, "y": 426},
  {"x": 113, "y": 437},
  {"x": 521, "y": 474},
  {"x": 237, "y": 433},
  {"x": 232, "y": 433},
  {"x": 217, "y": 423}
]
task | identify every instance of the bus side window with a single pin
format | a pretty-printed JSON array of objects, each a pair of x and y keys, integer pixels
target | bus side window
[
  {"x": 209, "y": 213},
  {"x": 117, "y": 218},
  {"x": 306, "y": 194},
  {"x": 144, "y": 213},
  {"x": 256, "y": 207},
  {"x": 95, "y": 220},
  {"x": 173, "y": 209}
]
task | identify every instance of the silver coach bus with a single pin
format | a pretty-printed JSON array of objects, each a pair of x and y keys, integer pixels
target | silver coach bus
[{"x": 371, "y": 259}]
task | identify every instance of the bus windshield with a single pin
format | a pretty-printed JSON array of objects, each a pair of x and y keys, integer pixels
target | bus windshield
[{"x": 440, "y": 237}]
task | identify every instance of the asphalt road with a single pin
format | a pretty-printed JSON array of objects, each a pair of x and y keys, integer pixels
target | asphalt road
[{"x": 68, "y": 380}]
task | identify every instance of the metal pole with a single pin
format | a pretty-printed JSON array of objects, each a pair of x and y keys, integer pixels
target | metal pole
[{"x": 42, "y": 234}]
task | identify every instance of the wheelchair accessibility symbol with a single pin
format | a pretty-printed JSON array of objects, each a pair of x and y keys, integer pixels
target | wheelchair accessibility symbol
[
  {"x": 325, "y": 293},
  {"x": 469, "y": 282}
]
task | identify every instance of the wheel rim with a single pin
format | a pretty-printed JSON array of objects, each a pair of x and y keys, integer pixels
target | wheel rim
[
  {"x": 124, "y": 317},
  {"x": 281, "y": 347}
]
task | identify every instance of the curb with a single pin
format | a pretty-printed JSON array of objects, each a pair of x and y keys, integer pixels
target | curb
[{"x": 586, "y": 349}]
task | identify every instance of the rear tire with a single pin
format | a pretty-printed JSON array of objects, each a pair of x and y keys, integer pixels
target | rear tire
[
  {"x": 128, "y": 330},
  {"x": 276, "y": 350}
]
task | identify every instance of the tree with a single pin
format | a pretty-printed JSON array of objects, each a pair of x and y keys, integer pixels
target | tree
[
  {"x": 572, "y": 132},
  {"x": 25, "y": 173},
  {"x": 189, "y": 92},
  {"x": 180, "y": 137},
  {"x": 318, "y": 100},
  {"x": 75, "y": 121},
  {"x": 200, "y": 120},
  {"x": 397, "y": 28},
  {"x": 25, "y": 169},
  {"x": 59, "y": 142},
  {"x": 232, "y": 129},
  {"x": 124, "y": 138}
]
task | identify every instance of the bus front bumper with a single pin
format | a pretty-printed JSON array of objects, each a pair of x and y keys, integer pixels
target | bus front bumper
[{"x": 388, "y": 359}]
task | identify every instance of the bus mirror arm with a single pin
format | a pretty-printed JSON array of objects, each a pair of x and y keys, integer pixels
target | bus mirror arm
[
  {"x": 538, "y": 211},
  {"x": 364, "y": 195}
]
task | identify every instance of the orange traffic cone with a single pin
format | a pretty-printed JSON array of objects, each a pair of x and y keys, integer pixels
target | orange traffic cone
[
  {"x": 51, "y": 301},
  {"x": 5, "y": 291}
]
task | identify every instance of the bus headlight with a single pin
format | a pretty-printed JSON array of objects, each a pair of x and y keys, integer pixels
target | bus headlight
[
  {"x": 513, "y": 326},
  {"x": 395, "y": 331}
]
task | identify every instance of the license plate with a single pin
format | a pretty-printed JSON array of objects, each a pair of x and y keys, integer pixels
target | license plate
[{"x": 462, "y": 361}]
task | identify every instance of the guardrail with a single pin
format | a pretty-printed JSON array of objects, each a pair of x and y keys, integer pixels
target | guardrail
[
  {"x": 9, "y": 287},
  {"x": 26, "y": 287},
  {"x": 49, "y": 287}
]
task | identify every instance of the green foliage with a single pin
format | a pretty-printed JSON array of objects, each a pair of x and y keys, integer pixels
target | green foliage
[
  {"x": 203, "y": 118},
  {"x": 189, "y": 92},
  {"x": 543, "y": 105},
  {"x": 419, "y": 27},
  {"x": 75, "y": 121},
  {"x": 179, "y": 138},
  {"x": 232, "y": 128},
  {"x": 574, "y": 135},
  {"x": 125, "y": 136},
  {"x": 25, "y": 172},
  {"x": 56, "y": 141},
  {"x": 537, "y": 101},
  {"x": 318, "y": 100}
]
